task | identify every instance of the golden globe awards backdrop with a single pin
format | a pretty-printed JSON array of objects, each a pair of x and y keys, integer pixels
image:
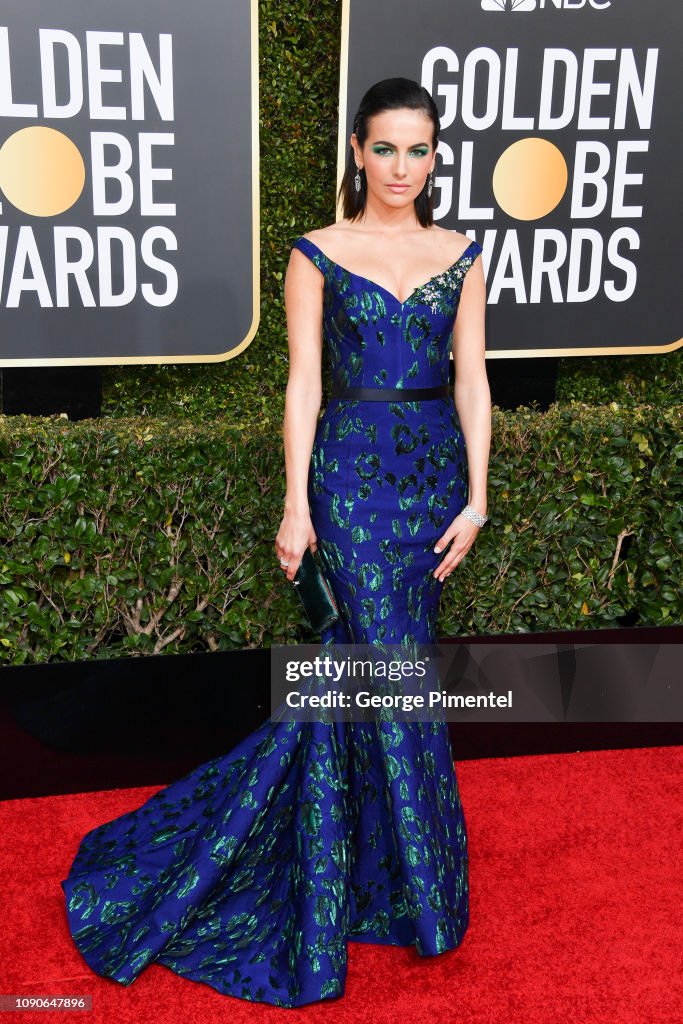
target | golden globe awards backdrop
[
  {"x": 128, "y": 181},
  {"x": 560, "y": 153}
]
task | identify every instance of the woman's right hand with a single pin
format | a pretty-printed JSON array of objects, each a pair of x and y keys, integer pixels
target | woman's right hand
[{"x": 296, "y": 533}]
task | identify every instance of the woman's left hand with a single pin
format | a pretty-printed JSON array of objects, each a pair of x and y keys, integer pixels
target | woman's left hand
[{"x": 463, "y": 533}]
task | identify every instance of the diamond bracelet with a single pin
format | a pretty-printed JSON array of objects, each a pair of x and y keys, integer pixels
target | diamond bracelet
[{"x": 474, "y": 517}]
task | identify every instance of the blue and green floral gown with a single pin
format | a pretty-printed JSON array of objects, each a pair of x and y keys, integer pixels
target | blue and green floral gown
[{"x": 252, "y": 872}]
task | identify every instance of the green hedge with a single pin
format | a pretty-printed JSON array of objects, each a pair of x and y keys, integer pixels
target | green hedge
[{"x": 123, "y": 537}]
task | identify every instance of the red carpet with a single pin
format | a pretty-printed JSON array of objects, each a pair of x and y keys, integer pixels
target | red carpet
[{"x": 576, "y": 908}]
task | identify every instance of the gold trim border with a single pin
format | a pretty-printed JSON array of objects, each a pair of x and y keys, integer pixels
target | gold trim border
[
  {"x": 171, "y": 358},
  {"x": 521, "y": 353}
]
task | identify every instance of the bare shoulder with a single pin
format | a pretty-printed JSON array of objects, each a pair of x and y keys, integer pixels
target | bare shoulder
[
  {"x": 452, "y": 243},
  {"x": 330, "y": 231}
]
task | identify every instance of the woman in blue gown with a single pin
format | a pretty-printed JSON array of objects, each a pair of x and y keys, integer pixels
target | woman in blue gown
[{"x": 252, "y": 872}]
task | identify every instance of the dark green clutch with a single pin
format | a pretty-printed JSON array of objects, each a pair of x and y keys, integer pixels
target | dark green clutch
[{"x": 315, "y": 593}]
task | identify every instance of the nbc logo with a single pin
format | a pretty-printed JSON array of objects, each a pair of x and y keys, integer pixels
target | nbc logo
[
  {"x": 531, "y": 5},
  {"x": 508, "y": 5}
]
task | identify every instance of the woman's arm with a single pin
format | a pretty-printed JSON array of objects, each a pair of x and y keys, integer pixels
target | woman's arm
[
  {"x": 303, "y": 305},
  {"x": 473, "y": 403},
  {"x": 472, "y": 393}
]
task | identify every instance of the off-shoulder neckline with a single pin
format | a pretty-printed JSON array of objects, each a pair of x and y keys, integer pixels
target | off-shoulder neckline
[{"x": 375, "y": 284}]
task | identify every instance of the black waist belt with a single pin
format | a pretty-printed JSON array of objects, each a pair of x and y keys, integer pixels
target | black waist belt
[{"x": 390, "y": 394}]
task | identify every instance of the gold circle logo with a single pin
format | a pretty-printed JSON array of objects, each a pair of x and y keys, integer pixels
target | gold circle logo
[
  {"x": 530, "y": 178},
  {"x": 42, "y": 172}
]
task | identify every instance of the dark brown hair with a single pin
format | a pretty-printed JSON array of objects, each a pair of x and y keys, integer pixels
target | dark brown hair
[{"x": 389, "y": 94}]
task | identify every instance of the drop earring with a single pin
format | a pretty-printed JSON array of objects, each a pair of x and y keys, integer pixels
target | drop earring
[
  {"x": 430, "y": 183},
  {"x": 356, "y": 180}
]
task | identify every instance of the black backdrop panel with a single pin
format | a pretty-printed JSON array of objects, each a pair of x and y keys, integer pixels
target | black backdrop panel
[
  {"x": 529, "y": 91},
  {"x": 128, "y": 180}
]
